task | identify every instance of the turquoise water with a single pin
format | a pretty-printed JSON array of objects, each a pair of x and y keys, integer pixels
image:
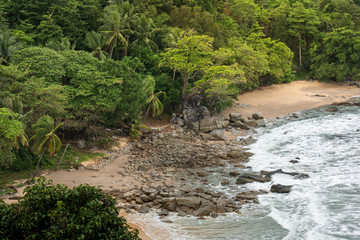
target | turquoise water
[{"x": 324, "y": 206}]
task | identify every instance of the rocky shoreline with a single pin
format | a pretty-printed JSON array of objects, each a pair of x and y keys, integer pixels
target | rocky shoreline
[{"x": 165, "y": 163}]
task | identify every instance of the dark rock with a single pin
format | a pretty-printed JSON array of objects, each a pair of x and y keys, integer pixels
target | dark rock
[
  {"x": 145, "y": 198},
  {"x": 257, "y": 116},
  {"x": 294, "y": 161},
  {"x": 225, "y": 182},
  {"x": 332, "y": 109},
  {"x": 295, "y": 174},
  {"x": 244, "y": 180},
  {"x": 278, "y": 188},
  {"x": 234, "y": 173},
  {"x": 214, "y": 214}
]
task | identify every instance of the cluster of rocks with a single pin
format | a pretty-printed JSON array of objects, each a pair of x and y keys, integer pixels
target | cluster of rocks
[
  {"x": 199, "y": 119},
  {"x": 181, "y": 151},
  {"x": 184, "y": 201}
]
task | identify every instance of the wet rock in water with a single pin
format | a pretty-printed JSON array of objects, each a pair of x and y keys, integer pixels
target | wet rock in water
[
  {"x": 294, "y": 161},
  {"x": 234, "y": 173},
  {"x": 301, "y": 176},
  {"x": 241, "y": 125},
  {"x": 278, "y": 188},
  {"x": 164, "y": 212},
  {"x": 225, "y": 182},
  {"x": 295, "y": 174},
  {"x": 143, "y": 209},
  {"x": 182, "y": 214},
  {"x": 236, "y": 117},
  {"x": 249, "y": 178},
  {"x": 218, "y": 134},
  {"x": 332, "y": 109},
  {"x": 214, "y": 214},
  {"x": 257, "y": 116},
  {"x": 244, "y": 180}
]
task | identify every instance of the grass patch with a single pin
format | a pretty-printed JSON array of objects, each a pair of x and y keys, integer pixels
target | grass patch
[{"x": 8, "y": 177}]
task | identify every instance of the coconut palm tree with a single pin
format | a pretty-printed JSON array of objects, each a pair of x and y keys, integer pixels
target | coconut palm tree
[
  {"x": 61, "y": 45},
  {"x": 153, "y": 100},
  {"x": 45, "y": 138},
  {"x": 8, "y": 45},
  {"x": 96, "y": 42},
  {"x": 144, "y": 33},
  {"x": 113, "y": 28},
  {"x": 130, "y": 18}
]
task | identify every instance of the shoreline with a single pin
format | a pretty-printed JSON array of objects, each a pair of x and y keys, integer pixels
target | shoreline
[{"x": 272, "y": 101}]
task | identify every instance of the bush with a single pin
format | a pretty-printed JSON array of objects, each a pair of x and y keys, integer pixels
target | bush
[{"x": 56, "y": 212}]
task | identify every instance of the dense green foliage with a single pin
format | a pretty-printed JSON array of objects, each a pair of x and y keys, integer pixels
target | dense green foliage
[
  {"x": 111, "y": 63},
  {"x": 56, "y": 212}
]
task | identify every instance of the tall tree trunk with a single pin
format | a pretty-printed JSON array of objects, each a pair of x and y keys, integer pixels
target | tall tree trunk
[
  {"x": 127, "y": 44},
  {"x": 111, "y": 50},
  {"x": 57, "y": 166},
  {"x": 300, "y": 60},
  {"x": 183, "y": 94},
  {"x": 37, "y": 165}
]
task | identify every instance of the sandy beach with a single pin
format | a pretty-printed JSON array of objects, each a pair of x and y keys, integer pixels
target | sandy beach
[
  {"x": 277, "y": 100},
  {"x": 271, "y": 101}
]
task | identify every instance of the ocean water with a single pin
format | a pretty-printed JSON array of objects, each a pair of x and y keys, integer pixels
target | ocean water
[{"x": 324, "y": 206}]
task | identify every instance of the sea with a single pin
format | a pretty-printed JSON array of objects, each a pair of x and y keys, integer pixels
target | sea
[{"x": 324, "y": 206}]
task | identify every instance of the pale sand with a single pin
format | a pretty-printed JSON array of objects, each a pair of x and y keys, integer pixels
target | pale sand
[{"x": 277, "y": 100}]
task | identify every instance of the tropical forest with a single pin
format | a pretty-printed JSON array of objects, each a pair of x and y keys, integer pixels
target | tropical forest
[{"x": 83, "y": 71}]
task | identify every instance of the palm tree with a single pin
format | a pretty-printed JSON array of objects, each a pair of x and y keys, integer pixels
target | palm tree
[
  {"x": 96, "y": 42},
  {"x": 153, "y": 98},
  {"x": 8, "y": 45},
  {"x": 144, "y": 33},
  {"x": 45, "y": 137},
  {"x": 62, "y": 45},
  {"x": 129, "y": 19},
  {"x": 113, "y": 28}
]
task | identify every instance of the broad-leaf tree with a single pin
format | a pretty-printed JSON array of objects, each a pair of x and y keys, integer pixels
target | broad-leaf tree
[{"x": 192, "y": 54}]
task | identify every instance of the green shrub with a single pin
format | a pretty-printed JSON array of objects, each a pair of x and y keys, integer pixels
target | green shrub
[{"x": 56, "y": 212}]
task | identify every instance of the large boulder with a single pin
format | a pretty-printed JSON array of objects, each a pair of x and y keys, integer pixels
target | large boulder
[
  {"x": 205, "y": 209},
  {"x": 191, "y": 202},
  {"x": 169, "y": 204},
  {"x": 236, "y": 117},
  {"x": 218, "y": 134},
  {"x": 200, "y": 120}
]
